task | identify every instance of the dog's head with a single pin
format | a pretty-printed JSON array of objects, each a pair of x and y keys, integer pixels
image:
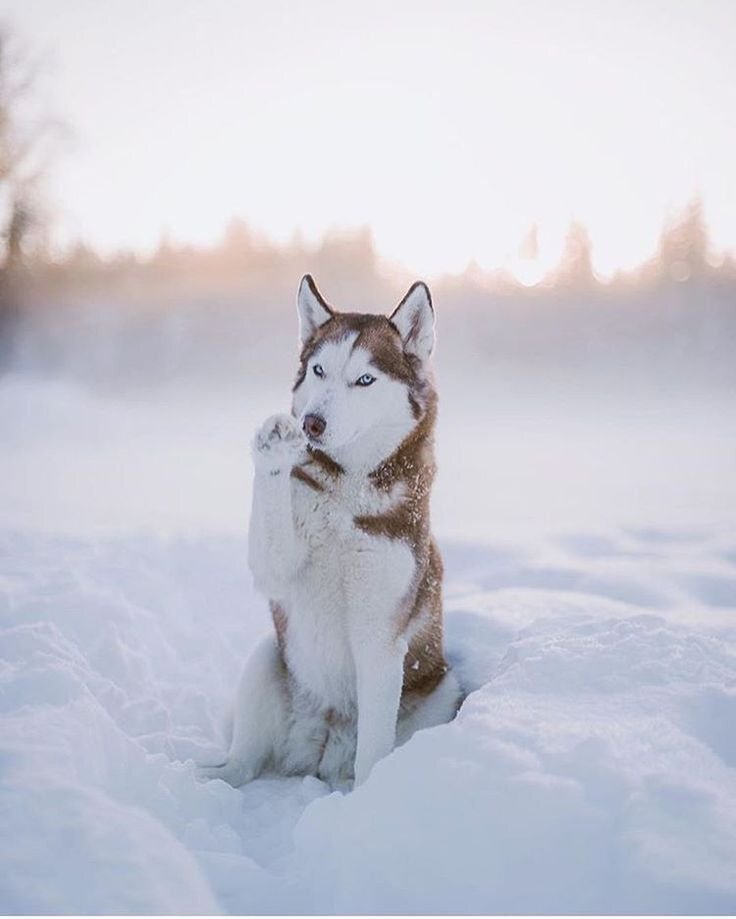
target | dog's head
[{"x": 362, "y": 376}]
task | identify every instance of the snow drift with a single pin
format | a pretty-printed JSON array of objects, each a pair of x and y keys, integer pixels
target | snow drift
[
  {"x": 591, "y": 768},
  {"x": 590, "y": 592}
]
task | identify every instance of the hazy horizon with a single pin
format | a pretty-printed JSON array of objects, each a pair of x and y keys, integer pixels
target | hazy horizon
[{"x": 448, "y": 131}]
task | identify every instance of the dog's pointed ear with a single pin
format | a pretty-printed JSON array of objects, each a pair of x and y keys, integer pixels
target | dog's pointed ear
[
  {"x": 414, "y": 318},
  {"x": 312, "y": 309}
]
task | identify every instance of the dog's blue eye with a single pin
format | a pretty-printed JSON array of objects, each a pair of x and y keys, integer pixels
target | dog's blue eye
[
  {"x": 318, "y": 371},
  {"x": 365, "y": 380}
]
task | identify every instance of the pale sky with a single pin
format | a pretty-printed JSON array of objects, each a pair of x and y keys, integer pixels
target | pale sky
[{"x": 448, "y": 128}]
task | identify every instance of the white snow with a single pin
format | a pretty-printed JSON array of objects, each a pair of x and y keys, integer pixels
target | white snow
[{"x": 591, "y": 769}]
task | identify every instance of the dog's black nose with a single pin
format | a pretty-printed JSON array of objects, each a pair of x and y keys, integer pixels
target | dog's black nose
[{"x": 314, "y": 425}]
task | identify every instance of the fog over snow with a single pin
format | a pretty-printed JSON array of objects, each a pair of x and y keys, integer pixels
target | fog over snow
[
  {"x": 585, "y": 515},
  {"x": 585, "y": 509},
  {"x": 561, "y": 174}
]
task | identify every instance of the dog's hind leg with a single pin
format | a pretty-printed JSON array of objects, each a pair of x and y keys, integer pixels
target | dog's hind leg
[
  {"x": 260, "y": 720},
  {"x": 338, "y": 756},
  {"x": 419, "y": 711}
]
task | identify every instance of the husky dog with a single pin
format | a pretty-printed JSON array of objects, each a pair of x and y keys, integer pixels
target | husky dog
[{"x": 340, "y": 544}]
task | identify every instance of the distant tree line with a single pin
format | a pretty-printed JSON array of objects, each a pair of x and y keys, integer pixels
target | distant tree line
[
  {"x": 186, "y": 310},
  {"x": 244, "y": 262},
  {"x": 26, "y": 140}
]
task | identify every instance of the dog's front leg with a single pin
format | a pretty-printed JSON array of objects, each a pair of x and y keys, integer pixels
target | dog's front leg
[
  {"x": 377, "y": 586},
  {"x": 379, "y": 669},
  {"x": 275, "y": 551}
]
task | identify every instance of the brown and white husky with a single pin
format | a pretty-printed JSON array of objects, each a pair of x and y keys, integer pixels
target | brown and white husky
[{"x": 340, "y": 544}]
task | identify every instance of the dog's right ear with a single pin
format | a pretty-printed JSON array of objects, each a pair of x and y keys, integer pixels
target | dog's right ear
[{"x": 312, "y": 309}]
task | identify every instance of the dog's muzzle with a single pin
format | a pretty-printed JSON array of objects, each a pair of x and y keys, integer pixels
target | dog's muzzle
[{"x": 314, "y": 426}]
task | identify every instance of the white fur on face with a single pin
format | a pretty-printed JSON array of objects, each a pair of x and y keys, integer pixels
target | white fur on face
[{"x": 367, "y": 417}]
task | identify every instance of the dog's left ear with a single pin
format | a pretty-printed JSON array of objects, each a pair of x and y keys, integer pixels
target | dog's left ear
[{"x": 414, "y": 318}]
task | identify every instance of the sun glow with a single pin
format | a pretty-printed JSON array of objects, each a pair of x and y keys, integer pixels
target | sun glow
[{"x": 448, "y": 130}]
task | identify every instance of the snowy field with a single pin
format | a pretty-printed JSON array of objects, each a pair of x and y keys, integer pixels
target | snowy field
[{"x": 590, "y": 554}]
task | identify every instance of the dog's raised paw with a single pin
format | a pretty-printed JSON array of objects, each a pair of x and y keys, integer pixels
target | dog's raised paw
[{"x": 279, "y": 443}]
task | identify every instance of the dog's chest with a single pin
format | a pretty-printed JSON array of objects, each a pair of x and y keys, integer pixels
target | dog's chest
[
  {"x": 317, "y": 646},
  {"x": 326, "y": 506}
]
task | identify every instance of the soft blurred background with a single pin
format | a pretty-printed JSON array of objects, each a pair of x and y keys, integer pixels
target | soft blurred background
[{"x": 562, "y": 174}]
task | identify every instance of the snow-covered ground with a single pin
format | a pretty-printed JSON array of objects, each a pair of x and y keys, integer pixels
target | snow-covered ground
[{"x": 590, "y": 562}]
